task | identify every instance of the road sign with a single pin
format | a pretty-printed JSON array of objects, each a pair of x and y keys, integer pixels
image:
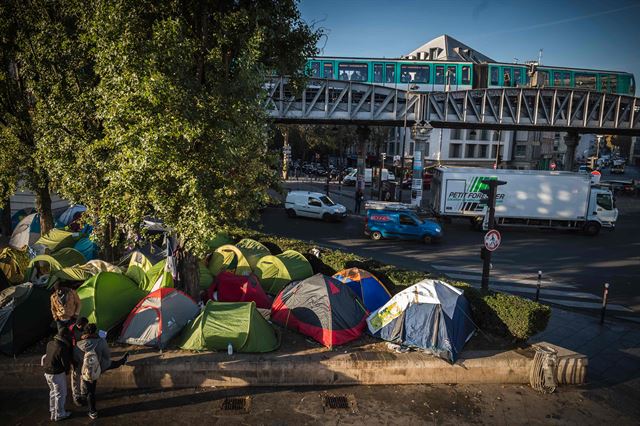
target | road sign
[
  {"x": 492, "y": 239},
  {"x": 552, "y": 165}
]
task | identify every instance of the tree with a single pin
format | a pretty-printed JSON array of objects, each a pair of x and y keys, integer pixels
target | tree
[{"x": 178, "y": 129}]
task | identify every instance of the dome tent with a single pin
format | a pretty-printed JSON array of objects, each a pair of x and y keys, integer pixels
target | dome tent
[
  {"x": 140, "y": 262},
  {"x": 366, "y": 286},
  {"x": 26, "y": 232},
  {"x": 240, "y": 259},
  {"x": 69, "y": 215},
  {"x": 107, "y": 298},
  {"x": 275, "y": 272},
  {"x": 14, "y": 263},
  {"x": 222, "y": 323},
  {"x": 431, "y": 315},
  {"x": 322, "y": 308},
  {"x": 157, "y": 277},
  {"x": 57, "y": 239},
  {"x": 25, "y": 316},
  {"x": 88, "y": 248},
  {"x": 81, "y": 273},
  {"x": 228, "y": 287},
  {"x": 46, "y": 264},
  {"x": 158, "y": 317}
]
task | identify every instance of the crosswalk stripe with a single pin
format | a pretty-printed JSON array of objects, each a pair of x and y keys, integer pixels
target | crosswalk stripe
[{"x": 590, "y": 305}]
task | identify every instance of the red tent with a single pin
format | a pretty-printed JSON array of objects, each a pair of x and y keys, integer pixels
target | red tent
[{"x": 239, "y": 288}]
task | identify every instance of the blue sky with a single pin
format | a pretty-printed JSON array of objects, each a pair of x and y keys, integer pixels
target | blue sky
[{"x": 576, "y": 33}]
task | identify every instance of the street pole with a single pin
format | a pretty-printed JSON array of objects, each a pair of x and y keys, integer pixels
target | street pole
[
  {"x": 285, "y": 154},
  {"x": 485, "y": 254},
  {"x": 498, "y": 149}
]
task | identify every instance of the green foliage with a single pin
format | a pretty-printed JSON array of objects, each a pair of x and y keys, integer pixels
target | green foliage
[{"x": 499, "y": 314}]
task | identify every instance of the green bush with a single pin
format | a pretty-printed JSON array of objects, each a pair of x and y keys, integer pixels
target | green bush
[{"x": 499, "y": 314}]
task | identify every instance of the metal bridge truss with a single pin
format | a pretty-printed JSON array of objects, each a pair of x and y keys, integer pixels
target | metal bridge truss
[{"x": 562, "y": 110}]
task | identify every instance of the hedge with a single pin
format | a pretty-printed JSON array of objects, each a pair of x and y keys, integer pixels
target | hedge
[{"x": 498, "y": 314}]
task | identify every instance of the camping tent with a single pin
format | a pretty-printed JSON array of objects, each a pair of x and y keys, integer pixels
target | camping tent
[
  {"x": 57, "y": 239},
  {"x": 158, "y": 317},
  {"x": 17, "y": 217},
  {"x": 240, "y": 259},
  {"x": 81, "y": 273},
  {"x": 25, "y": 316},
  {"x": 88, "y": 248},
  {"x": 222, "y": 323},
  {"x": 69, "y": 215},
  {"x": 141, "y": 260},
  {"x": 157, "y": 277},
  {"x": 206, "y": 279},
  {"x": 46, "y": 264},
  {"x": 228, "y": 287},
  {"x": 366, "y": 286},
  {"x": 275, "y": 272},
  {"x": 219, "y": 240},
  {"x": 26, "y": 232},
  {"x": 107, "y": 298},
  {"x": 14, "y": 263},
  {"x": 431, "y": 315},
  {"x": 321, "y": 308}
]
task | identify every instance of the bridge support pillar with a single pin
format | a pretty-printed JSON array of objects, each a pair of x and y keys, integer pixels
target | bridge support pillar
[
  {"x": 420, "y": 134},
  {"x": 571, "y": 140},
  {"x": 363, "y": 133}
]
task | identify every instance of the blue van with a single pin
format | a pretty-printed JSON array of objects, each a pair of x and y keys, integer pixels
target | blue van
[{"x": 402, "y": 224}]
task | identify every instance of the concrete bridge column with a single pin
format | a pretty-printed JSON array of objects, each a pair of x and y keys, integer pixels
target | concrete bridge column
[
  {"x": 571, "y": 140},
  {"x": 420, "y": 135}
]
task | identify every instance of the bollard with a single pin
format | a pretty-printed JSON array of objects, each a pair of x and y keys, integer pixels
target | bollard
[
  {"x": 604, "y": 302},
  {"x": 538, "y": 285}
]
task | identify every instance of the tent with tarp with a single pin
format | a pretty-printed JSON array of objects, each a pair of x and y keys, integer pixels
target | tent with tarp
[
  {"x": 14, "y": 263},
  {"x": 42, "y": 266},
  {"x": 81, "y": 273},
  {"x": 366, "y": 286},
  {"x": 26, "y": 232},
  {"x": 430, "y": 315},
  {"x": 237, "y": 323},
  {"x": 322, "y": 308},
  {"x": 158, "y": 317},
  {"x": 57, "y": 239},
  {"x": 71, "y": 214},
  {"x": 107, "y": 298},
  {"x": 228, "y": 287},
  {"x": 240, "y": 259},
  {"x": 275, "y": 272},
  {"x": 25, "y": 316}
]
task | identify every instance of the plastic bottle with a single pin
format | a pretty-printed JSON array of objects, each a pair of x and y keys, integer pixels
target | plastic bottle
[{"x": 230, "y": 349}]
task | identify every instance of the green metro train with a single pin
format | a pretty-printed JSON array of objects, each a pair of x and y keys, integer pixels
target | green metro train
[{"x": 449, "y": 75}]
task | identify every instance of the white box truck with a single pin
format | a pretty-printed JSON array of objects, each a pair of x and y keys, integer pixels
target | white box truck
[
  {"x": 530, "y": 198},
  {"x": 352, "y": 177}
]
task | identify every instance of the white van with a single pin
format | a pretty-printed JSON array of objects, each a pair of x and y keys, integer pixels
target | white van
[
  {"x": 351, "y": 178},
  {"x": 313, "y": 204}
]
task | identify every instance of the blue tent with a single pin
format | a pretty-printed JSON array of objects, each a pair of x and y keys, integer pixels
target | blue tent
[
  {"x": 366, "y": 286},
  {"x": 88, "y": 248},
  {"x": 430, "y": 315},
  {"x": 68, "y": 215}
]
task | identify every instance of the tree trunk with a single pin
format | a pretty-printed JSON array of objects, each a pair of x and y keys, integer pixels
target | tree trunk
[
  {"x": 188, "y": 273},
  {"x": 5, "y": 220},
  {"x": 43, "y": 206},
  {"x": 111, "y": 252}
]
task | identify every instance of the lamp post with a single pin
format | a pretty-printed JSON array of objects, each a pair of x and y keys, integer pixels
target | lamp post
[{"x": 497, "y": 163}]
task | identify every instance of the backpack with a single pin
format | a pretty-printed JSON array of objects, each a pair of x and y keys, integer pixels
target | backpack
[{"x": 90, "y": 366}]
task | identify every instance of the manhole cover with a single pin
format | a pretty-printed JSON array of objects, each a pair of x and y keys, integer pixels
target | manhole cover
[
  {"x": 234, "y": 405},
  {"x": 339, "y": 402}
]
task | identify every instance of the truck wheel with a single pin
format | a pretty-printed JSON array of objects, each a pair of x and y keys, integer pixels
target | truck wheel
[
  {"x": 376, "y": 235},
  {"x": 326, "y": 217},
  {"x": 291, "y": 213},
  {"x": 592, "y": 228}
]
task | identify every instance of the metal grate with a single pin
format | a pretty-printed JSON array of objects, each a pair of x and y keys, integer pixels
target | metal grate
[
  {"x": 336, "y": 402},
  {"x": 234, "y": 404}
]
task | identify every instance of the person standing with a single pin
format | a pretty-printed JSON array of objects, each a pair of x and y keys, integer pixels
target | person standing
[
  {"x": 65, "y": 305},
  {"x": 77, "y": 329},
  {"x": 359, "y": 199},
  {"x": 56, "y": 363}
]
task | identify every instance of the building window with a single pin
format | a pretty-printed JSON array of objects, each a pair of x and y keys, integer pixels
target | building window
[
  {"x": 521, "y": 150},
  {"x": 483, "y": 151},
  {"x": 411, "y": 145},
  {"x": 427, "y": 151},
  {"x": 484, "y": 135},
  {"x": 471, "y": 135},
  {"x": 455, "y": 150},
  {"x": 455, "y": 134},
  {"x": 471, "y": 151},
  {"x": 494, "y": 149}
]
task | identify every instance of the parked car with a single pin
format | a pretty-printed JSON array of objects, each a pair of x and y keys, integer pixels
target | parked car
[
  {"x": 402, "y": 224},
  {"x": 313, "y": 204}
]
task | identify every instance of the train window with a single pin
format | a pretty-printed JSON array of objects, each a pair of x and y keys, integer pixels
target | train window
[
  {"x": 495, "y": 76},
  {"x": 328, "y": 70},
  {"x": 466, "y": 74},
  {"x": 585, "y": 81},
  {"x": 517, "y": 77},
  {"x": 414, "y": 73},
  {"x": 451, "y": 75},
  {"x": 439, "y": 74},
  {"x": 314, "y": 69},
  {"x": 391, "y": 73},
  {"x": 354, "y": 71},
  {"x": 377, "y": 73},
  {"x": 609, "y": 83}
]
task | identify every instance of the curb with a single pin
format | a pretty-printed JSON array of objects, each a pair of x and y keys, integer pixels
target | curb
[{"x": 181, "y": 369}]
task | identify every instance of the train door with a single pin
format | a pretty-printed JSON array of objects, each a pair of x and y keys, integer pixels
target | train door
[
  {"x": 313, "y": 69},
  {"x": 507, "y": 77},
  {"x": 390, "y": 74},
  {"x": 452, "y": 77},
  {"x": 327, "y": 70},
  {"x": 378, "y": 73}
]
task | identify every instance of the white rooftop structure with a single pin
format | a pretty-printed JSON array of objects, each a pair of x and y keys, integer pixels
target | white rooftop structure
[{"x": 447, "y": 48}]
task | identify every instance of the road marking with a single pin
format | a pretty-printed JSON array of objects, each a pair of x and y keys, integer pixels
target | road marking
[{"x": 589, "y": 305}]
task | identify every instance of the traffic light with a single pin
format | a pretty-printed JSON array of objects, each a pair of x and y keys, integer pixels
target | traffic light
[{"x": 486, "y": 191}]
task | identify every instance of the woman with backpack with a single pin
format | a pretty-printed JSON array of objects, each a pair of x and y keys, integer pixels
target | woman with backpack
[{"x": 92, "y": 356}]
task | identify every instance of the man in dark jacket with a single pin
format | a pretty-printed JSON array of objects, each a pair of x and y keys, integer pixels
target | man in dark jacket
[{"x": 57, "y": 363}]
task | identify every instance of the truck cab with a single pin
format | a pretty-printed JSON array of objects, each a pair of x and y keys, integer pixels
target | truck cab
[
  {"x": 602, "y": 211},
  {"x": 401, "y": 224}
]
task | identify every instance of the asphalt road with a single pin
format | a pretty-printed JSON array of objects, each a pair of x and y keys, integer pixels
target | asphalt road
[{"x": 575, "y": 267}]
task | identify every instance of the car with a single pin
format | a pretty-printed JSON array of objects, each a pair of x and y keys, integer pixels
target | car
[
  {"x": 403, "y": 224},
  {"x": 313, "y": 204}
]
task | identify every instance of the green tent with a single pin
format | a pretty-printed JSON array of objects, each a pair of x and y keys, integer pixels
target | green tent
[
  {"x": 141, "y": 261},
  {"x": 238, "y": 323},
  {"x": 240, "y": 259},
  {"x": 219, "y": 240},
  {"x": 82, "y": 272},
  {"x": 47, "y": 264},
  {"x": 107, "y": 298},
  {"x": 205, "y": 277},
  {"x": 25, "y": 316},
  {"x": 275, "y": 272},
  {"x": 57, "y": 239},
  {"x": 156, "y": 277},
  {"x": 14, "y": 263}
]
